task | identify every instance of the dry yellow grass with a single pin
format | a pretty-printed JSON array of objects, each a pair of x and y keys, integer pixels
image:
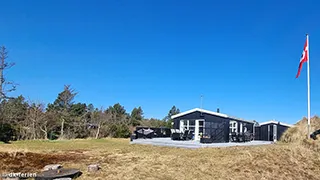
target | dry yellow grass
[
  {"x": 299, "y": 132},
  {"x": 120, "y": 160}
]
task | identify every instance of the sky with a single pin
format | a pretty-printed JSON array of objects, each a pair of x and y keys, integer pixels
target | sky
[{"x": 242, "y": 56}]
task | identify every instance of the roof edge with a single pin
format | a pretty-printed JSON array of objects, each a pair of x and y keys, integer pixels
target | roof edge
[
  {"x": 275, "y": 122},
  {"x": 200, "y": 110}
]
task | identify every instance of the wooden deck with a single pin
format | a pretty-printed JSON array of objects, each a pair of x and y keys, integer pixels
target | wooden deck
[{"x": 194, "y": 144}]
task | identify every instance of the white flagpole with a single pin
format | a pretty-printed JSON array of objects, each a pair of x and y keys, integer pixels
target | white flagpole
[{"x": 308, "y": 72}]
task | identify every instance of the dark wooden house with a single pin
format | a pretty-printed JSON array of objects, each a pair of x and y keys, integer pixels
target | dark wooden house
[
  {"x": 270, "y": 131},
  {"x": 209, "y": 123}
]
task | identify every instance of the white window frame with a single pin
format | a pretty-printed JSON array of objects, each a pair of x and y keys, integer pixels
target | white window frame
[
  {"x": 233, "y": 126},
  {"x": 187, "y": 126}
]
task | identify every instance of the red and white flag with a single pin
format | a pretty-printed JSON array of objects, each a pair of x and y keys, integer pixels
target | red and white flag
[{"x": 304, "y": 57}]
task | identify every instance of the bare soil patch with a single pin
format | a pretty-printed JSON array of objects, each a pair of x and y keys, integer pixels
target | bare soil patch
[{"x": 33, "y": 162}]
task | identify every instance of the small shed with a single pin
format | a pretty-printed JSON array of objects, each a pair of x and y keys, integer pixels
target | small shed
[{"x": 270, "y": 130}]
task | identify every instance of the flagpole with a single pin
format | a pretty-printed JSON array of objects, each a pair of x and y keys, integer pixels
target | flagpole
[{"x": 308, "y": 76}]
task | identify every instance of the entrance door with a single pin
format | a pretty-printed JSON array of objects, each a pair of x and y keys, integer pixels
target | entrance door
[
  {"x": 274, "y": 133},
  {"x": 199, "y": 129},
  {"x": 183, "y": 125},
  {"x": 268, "y": 132}
]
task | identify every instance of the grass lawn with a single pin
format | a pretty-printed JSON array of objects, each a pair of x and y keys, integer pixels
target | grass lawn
[{"x": 120, "y": 160}]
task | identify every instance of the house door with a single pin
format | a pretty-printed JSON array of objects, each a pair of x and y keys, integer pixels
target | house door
[
  {"x": 275, "y": 133},
  {"x": 199, "y": 129},
  {"x": 269, "y": 133},
  {"x": 183, "y": 125}
]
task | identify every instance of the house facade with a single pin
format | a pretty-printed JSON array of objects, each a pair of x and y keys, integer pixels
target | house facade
[
  {"x": 209, "y": 123},
  {"x": 220, "y": 126}
]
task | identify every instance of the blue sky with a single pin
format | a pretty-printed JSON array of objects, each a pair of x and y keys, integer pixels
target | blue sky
[{"x": 241, "y": 55}]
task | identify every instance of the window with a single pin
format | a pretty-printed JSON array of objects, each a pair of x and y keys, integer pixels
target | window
[
  {"x": 184, "y": 122},
  {"x": 233, "y": 126},
  {"x": 192, "y": 122},
  {"x": 232, "y": 130},
  {"x": 187, "y": 124},
  {"x": 201, "y": 123}
]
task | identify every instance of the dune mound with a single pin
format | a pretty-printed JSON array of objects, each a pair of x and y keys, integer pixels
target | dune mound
[{"x": 298, "y": 133}]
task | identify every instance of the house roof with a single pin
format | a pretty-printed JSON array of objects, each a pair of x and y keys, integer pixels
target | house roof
[
  {"x": 275, "y": 122},
  {"x": 207, "y": 112}
]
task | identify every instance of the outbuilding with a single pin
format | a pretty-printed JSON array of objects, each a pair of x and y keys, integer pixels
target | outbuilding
[{"x": 270, "y": 130}]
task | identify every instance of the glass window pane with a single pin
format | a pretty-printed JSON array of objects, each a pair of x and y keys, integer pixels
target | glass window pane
[
  {"x": 192, "y": 122},
  {"x": 200, "y": 123},
  {"x": 185, "y": 122}
]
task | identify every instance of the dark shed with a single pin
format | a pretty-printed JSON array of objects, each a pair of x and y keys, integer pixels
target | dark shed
[{"x": 270, "y": 131}]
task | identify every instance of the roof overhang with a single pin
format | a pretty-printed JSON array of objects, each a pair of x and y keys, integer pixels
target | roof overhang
[
  {"x": 200, "y": 110},
  {"x": 275, "y": 122}
]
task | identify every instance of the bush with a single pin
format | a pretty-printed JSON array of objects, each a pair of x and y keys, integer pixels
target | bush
[
  {"x": 6, "y": 132},
  {"x": 119, "y": 131},
  {"x": 53, "y": 136}
]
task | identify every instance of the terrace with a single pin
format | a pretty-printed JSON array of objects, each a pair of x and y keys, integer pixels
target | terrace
[{"x": 193, "y": 144}]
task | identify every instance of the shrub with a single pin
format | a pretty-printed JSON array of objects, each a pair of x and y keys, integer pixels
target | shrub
[
  {"x": 6, "y": 132},
  {"x": 119, "y": 131}
]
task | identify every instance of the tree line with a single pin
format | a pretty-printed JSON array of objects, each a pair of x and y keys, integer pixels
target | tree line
[{"x": 65, "y": 118}]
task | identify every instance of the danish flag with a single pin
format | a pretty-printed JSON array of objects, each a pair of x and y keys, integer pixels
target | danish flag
[{"x": 304, "y": 57}]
